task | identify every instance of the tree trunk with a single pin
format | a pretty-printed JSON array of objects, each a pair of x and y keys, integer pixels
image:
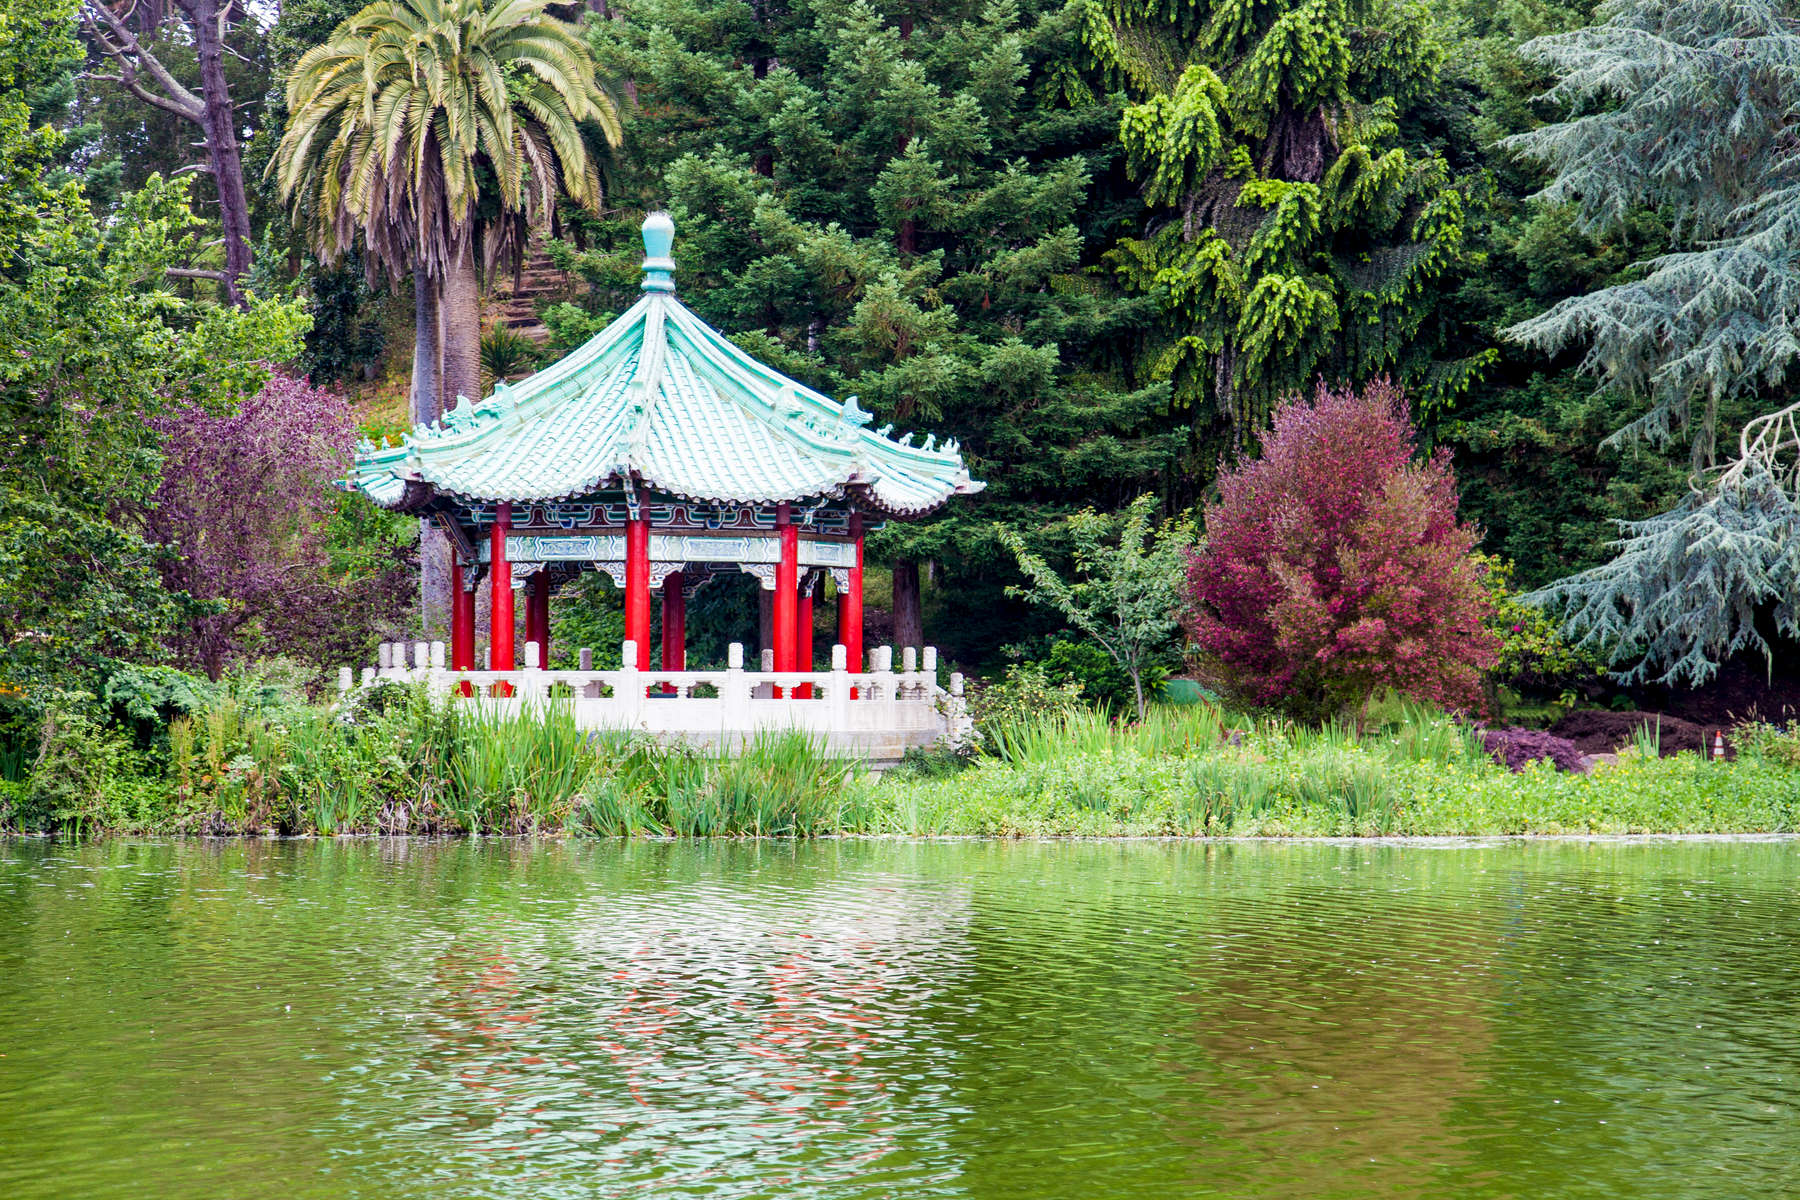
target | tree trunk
[
  {"x": 427, "y": 382},
  {"x": 446, "y": 364},
  {"x": 427, "y": 404},
  {"x": 909, "y": 622},
  {"x": 219, "y": 123},
  {"x": 459, "y": 316},
  {"x": 147, "y": 18}
]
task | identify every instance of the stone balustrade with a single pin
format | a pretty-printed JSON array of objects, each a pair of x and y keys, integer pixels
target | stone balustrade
[{"x": 877, "y": 714}]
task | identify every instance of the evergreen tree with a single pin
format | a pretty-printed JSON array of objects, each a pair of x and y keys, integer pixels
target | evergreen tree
[
  {"x": 1527, "y": 435},
  {"x": 908, "y": 206},
  {"x": 1688, "y": 109},
  {"x": 1295, "y": 232}
]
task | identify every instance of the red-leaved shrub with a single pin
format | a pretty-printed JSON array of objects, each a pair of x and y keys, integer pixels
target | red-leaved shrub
[{"x": 1335, "y": 567}]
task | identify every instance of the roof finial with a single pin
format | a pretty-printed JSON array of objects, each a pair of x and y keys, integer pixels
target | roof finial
[{"x": 659, "y": 240}]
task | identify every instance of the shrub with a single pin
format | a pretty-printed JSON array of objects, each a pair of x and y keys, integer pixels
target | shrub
[
  {"x": 1101, "y": 680},
  {"x": 1535, "y": 661},
  {"x": 243, "y": 502},
  {"x": 1335, "y": 566},
  {"x": 1027, "y": 692},
  {"x": 506, "y": 353},
  {"x": 1514, "y": 748}
]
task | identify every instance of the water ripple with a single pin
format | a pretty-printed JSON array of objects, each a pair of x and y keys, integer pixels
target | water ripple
[{"x": 398, "y": 1019}]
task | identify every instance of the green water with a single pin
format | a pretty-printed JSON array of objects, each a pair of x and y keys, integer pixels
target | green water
[{"x": 870, "y": 1019}]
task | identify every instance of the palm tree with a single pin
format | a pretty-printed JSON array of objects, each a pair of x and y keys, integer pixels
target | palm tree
[{"x": 439, "y": 131}]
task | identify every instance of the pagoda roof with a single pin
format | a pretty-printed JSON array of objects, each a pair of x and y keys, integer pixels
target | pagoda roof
[{"x": 660, "y": 399}]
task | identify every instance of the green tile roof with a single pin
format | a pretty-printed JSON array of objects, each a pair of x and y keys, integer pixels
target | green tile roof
[{"x": 664, "y": 398}]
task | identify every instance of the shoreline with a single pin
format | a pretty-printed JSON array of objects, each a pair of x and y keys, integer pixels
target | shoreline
[{"x": 1446, "y": 841}]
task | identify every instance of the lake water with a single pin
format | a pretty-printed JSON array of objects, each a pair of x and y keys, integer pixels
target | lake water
[{"x": 874, "y": 1019}]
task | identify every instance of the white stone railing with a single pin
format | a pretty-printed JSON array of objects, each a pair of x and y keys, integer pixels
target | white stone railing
[{"x": 878, "y": 713}]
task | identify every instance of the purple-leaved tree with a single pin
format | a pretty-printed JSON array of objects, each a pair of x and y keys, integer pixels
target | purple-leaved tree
[{"x": 243, "y": 506}]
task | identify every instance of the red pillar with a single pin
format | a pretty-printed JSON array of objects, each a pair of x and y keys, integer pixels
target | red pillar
[
  {"x": 531, "y": 612},
  {"x": 637, "y": 589},
  {"x": 500, "y": 637},
  {"x": 537, "y": 615},
  {"x": 850, "y": 604},
  {"x": 786, "y": 583},
  {"x": 674, "y": 617},
  {"x": 462, "y": 623},
  {"x": 803, "y": 636}
]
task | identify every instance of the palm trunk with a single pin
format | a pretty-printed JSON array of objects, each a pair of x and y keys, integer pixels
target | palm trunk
[
  {"x": 459, "y": 313},
  {"x": 427, "y": 385},
  {"x": 426, "y": 405},
  {"x": 446, "y": 364}
]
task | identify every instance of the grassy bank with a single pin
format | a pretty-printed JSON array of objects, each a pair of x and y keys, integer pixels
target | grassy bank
[
  {"x": 1183, "y": 773},
  {"x": 401, "y": 763}
]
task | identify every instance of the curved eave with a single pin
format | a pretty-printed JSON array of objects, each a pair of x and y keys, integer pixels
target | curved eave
[{"x": 655, "y": 390}]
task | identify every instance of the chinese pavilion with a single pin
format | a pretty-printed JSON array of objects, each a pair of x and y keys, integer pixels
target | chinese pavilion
[{"x": 662, "y": 455}]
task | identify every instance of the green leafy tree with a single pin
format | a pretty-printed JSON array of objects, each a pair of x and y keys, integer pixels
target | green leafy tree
[
  {"x": 1296, "y": 231},
  {"x": 1688, "y": 109},
  {"x": 909, "y": 205},
  {"x": 98, "y": 346},
  {"x": 1126, "y": 592}
]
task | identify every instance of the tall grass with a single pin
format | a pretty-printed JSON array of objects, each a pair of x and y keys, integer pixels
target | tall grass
[
  {"x": 1166, "y": 731},
  {"x": 778, "y": 784},
  {"x": 412, "y": 763}
]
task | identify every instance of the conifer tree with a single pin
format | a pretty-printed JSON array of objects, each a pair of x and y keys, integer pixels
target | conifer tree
[
  {"x": 908, "y": 206},
  {"x": 1294, "y": 232},
  {"x": 1689, "y": 109}
]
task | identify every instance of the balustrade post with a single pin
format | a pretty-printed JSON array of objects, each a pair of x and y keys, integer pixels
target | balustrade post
[
  {"x": 346, "y": 679},
  {"x": 838, "y": 698},
  {"x": 882, "y": 665},
  {"x": 959, "y": 727},
  {"x": 532, "y": 687},
  {"x": 368, "y": 676},
  {"x": 736, "y": 692},
  {"x": 630, "y": 692}
]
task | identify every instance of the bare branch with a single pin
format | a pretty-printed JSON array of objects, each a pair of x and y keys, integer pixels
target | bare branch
[
  {"x": 194, "y": 273},
  {"x": 124, "y": 49}
]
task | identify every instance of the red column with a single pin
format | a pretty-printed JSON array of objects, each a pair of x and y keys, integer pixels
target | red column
[
  {"x": 850, "y": 606},
  {"x": 637, "y": 588},
  {"x": 786, "y": 582},
  {"x": 803, "y": 636},
  {"x": 674, "y": 617},
  {"x": 532, "y": 633},
  {"x": 462, "y": 623},
  {"x": 500, "y": 637},
  {"x": 537, "y": 615}
]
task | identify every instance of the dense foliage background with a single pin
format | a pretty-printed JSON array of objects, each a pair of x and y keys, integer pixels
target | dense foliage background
[{"x": 1097, "y": 241}]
